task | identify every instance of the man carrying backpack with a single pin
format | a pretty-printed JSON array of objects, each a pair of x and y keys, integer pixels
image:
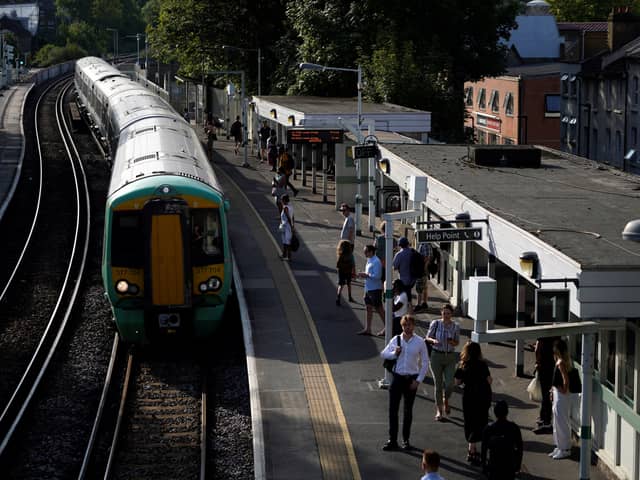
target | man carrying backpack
[{"x": 502, "y": 441}]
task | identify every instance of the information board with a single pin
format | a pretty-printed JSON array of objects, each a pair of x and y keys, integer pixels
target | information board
[
  {"x": 552, "y": 306},
  {"x": 318, "y": 135}
]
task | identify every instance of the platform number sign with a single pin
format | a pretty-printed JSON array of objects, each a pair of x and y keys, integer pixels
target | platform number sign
[{"x": 552, "y": 306}]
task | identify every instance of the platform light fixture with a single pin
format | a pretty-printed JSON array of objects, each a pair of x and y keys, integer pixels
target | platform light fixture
[
  {"x": 463, "y": 220},
  {"x": 529, "y": 264},
  {"x": 632, "y": 231},
  {"x": 384, "y": 165},
  {"x": 274, "y": 113},
  {"x": 292, "y": 120}
]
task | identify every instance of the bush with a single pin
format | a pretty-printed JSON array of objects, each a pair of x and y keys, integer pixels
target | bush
[{"x": 53, "y": 54}]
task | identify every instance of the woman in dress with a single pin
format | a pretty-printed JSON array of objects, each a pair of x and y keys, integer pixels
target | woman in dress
[
  {"x": 560, "y": 401},
  {"x": 444, "y": 336},
  {"x": 473, "y": 373},
  {"x": 287, "y": 223}
]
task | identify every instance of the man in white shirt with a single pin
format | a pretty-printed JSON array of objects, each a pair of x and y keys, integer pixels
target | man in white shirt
[
  {"x": 348, "y": 231},
  {"x": 412, "y": 362}
]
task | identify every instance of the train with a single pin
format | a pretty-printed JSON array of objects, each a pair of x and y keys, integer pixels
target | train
[{"x": 166, "y": 264}]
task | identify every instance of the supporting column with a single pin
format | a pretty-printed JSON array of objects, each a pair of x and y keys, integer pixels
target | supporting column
[
  {"x": 303, "y": 156},
  {"x": 520, "y": 319},
  {"x": 491, "y": 272},
  {"x": 295, "y": 151},
  {"x": 314, "y": 161},
  {"x": 588, "y": 348},
  {"x": 325, "y": 166}
]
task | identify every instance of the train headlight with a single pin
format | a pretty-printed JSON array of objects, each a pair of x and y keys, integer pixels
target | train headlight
[
  {"x": 203, "y": 287},
  {"x": 214, "y": 283},
  {"x": 122, "y": 286}
]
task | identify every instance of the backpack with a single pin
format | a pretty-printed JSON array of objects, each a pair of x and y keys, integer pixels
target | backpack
[
  {"x": 416, "y": 264},
  {"x": 501, "y": 453}
]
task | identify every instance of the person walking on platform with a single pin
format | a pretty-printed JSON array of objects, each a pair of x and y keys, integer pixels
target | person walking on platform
[
  {"x": 399, "y": 306},
  {"x": 412, "y": 362},
  {"x": 272, "y": 150},
  {"x": 402, "y": 263},
  {"x": 502, "y": 444},
  {"x": 372, "y": 289},
  {"x": 430, "y": 465},
  {"x": 287, "y": 226},
  {"x": 236, "y": 133},
  {"x": 422, "y": 283},
  {"x": 285, "y": 162},
  {"x": 348, "y": 231},
  {"x": 561, "y": 401},
  {"x": 444, "y": 336},
  {"x": 473, "y": 373},
  {"x": 264, "y": 134},
  {"x": 545, "y": 364},
  {"x": 345, "y": 265}
]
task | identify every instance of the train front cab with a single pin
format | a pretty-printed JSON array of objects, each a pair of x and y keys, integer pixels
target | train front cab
[{"x": 167, "y": 269}]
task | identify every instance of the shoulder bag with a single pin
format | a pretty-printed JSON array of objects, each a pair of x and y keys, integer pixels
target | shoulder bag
[
  {"x": 390, "y": 363},
  {"x": 429, "y": 344}
]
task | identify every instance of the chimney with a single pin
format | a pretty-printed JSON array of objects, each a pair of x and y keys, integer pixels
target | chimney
[{"x": 623, "y": 27}]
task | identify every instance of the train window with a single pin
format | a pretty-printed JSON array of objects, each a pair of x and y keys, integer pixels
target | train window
[
  {"x": 127, "y": 240},
  {"x": 207, "y": 247}
]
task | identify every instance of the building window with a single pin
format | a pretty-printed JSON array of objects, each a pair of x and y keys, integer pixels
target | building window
[
  {"x": 493, "y": 139},
  {"x": 508, "y": 103},
  {"x": 608, "y": 144},
  {"x": 564, "y": 85},
  {"x": 508, "y": 141},
  {"x": 468, "y": 97},
  {"x": 482, "y": 137},
  {"x": 634, "y": 91},
  {"x": 482, "y": 98},
  {"x": 610, "y": 368},
  {"x": 564, "y": 128},
  {"x": 552, "y": 105},
  {"x": 634, "y": 136},
  {"x": 494, "y": 101},
  {"x": 628, "y": 380},
  {"x": 573, "y": 89}
]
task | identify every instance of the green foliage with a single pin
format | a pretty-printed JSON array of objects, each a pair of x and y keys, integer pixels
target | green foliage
[
  {"x": 588, "y": 10},
  {"x": 53, "y": 54}
]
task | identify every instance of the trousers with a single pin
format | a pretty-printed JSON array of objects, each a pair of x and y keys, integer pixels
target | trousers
[
  {"x": 399, "y": 388},
  {"x": 443, "y": 368},
  {"x": 561, "y": 429}
]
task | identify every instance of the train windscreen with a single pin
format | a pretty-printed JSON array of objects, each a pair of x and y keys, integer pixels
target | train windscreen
[
  {"x": 206, "y": 244},
  {"x": 127, "y": 240}
]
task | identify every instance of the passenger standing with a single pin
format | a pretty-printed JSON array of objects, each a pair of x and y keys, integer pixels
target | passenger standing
[
  {"x": 272, "y": 150},
  {"x": 286, "y": 163},
  {"x": 348, "y": 231},
  {"x": 236, "y": 133},
  {"x": 422, "y": 283},
  {"x": 545, "y": 364},
  {"x": 345, "y": 265},
  {"x": 399, "y": 306},
  {"x": 264, "y": 133},
  {"x": 211, "y": 137},
  {"x": 279, "y": 188},
  {"x": 372, "y": 289},
  {"x": 430, "y": 465},
  {"x": 412, "y": 362},
  {"x": 561, "y": 401},
  {"x": 402, "y": 263},
  {"x": 502, "y": 441},
  {"x": 287, "y": 227},
  {"x": 473, "y": 373},
  {"x": 444, "y": 335}
]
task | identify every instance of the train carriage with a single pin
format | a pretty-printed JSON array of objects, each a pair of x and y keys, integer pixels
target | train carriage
[{"x": 166, "y": 259}]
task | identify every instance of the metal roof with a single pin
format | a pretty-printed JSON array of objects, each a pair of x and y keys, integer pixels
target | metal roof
[
  {"x": 576, "y": 206},
  {"x": 584, "y": 26}
]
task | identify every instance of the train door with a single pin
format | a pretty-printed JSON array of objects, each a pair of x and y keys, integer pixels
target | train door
[{"x": 166, "y": 274}]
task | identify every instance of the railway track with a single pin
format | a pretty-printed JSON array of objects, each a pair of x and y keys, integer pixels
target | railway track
[{"x": 63, "y": 265}]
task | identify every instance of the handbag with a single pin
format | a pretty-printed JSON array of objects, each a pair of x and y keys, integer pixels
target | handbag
[
  {"x": 535, "y": 389},
  {"x": 390, "y": 363},
  {"x": 429, "y": 344},
  {"x": 295, "y": 243},
  {"x": 575, "y": 385}
]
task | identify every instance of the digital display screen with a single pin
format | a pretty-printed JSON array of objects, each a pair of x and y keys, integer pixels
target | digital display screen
[{"x": 326, "y": 135}]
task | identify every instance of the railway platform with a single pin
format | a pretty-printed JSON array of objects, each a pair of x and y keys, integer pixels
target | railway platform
[
  {"x": 322, "y": 413},
  {"x": 12, "y": 140}
]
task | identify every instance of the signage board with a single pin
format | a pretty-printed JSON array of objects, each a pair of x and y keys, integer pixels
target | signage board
[
  {"x": 552, "y": 306},
  {"x": 365, "y": 151},
  {"x": 318, "y": 135},
  {"x": 450, "y": 235}
]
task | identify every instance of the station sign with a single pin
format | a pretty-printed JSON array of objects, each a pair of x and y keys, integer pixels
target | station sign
[
  {"x": 449, "y": 235},
  {"x": 552, "y": 306},
  {"x": 318, "y": 135},
  {"x": 365, "y": 151}
]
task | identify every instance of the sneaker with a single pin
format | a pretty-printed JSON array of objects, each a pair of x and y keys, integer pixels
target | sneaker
[
  {"x": 555, "y": 450},
  {"x": 560, "y": 454},
  {"x": 390, "y": 445},
  {"x": 406, "y": 445},
  {"x": 544, "y": 428}
]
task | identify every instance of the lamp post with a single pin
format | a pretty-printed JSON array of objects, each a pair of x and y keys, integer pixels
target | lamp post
[
  {"x": 115, "y": 43},
  {"x": 324, "y": 68},
  {"x": 137, "y": 37},
  {"x": 231, "y": 47}
]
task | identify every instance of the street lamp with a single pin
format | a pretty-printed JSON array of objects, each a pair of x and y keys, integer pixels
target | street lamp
[
  {"x": 231, "y": 47},
  {"x": 324, "y": 68},
  {"x": 115, "y": 43},
  {"x": 137, "y": 37}
]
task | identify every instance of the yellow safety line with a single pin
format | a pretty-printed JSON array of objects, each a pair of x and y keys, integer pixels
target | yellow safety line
[{"x": 342, "y": 421}]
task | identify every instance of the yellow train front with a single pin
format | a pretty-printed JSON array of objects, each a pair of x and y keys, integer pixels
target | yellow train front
[{"x": 166, "y": 256}]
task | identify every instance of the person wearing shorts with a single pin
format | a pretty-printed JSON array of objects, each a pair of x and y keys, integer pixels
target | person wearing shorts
[{"x": 372, "y": 289}]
